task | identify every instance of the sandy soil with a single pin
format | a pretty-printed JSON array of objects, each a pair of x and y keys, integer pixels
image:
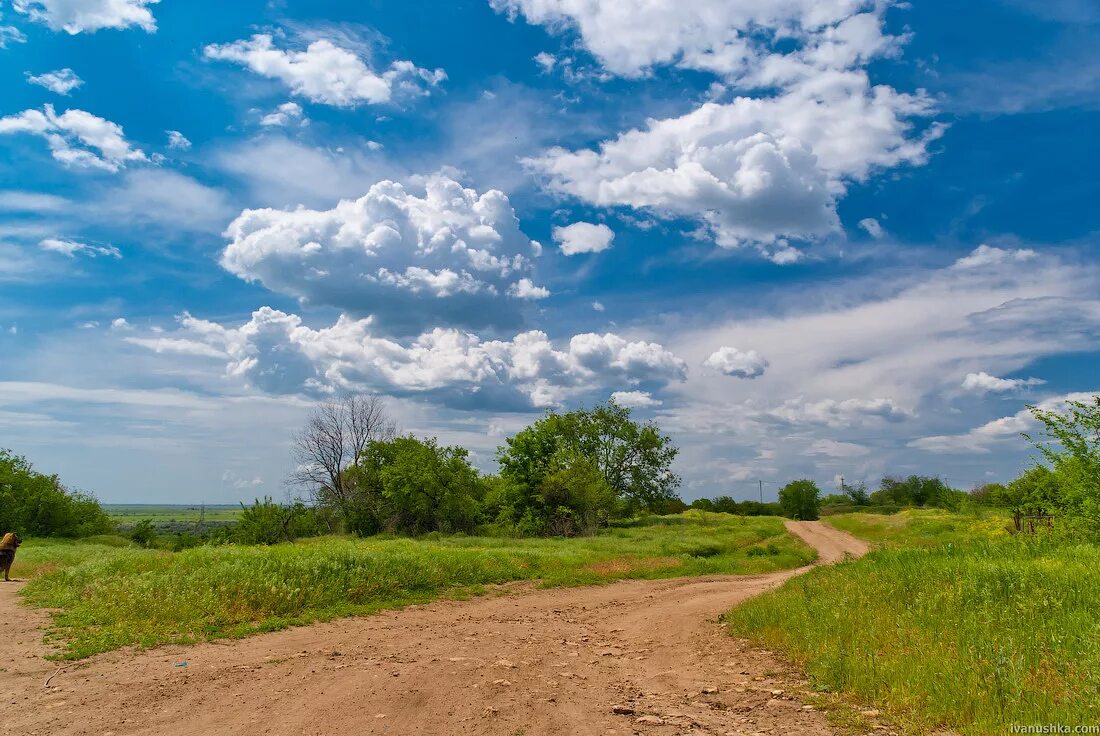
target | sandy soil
[{"x": 636, "y": 657}]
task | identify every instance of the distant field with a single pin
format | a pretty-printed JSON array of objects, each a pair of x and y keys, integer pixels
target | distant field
[
  {"x": 109, "y": 596},
  {"x": 172, "y": 517},
  {"x": 952, "y": 623}
]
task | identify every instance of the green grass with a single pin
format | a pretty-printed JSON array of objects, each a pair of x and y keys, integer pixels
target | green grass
[
  {"x": 109, "y": 597},
  {"x": 951, "y": 623}
]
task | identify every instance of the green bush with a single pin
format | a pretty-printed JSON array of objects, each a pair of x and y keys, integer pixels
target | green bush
[
  {"x": 268, "y": 522},
  {"x": 800, "y": 499}
]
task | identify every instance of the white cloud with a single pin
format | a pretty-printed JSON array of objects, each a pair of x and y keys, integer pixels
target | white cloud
[
  {"x": 10, "y": 35},
  {"x": 76, "y": 138},
  {"x": 983, "y": 439},
  {"x": 832, "y": 448},
  {"x": 232, "y": 479},
  {"x": 525, "y": 288},
  {"x": 60, "y": 81},
  {"x": 598, "y": 306},
  {"x": 759, "y": 170},
  {"x": 719, "y": 36},
  {"x": 982, "y": 382},
  {"x": 327, "y": 73},
  {"x": 872, "y": 227},
  {"x": 737, "y": 363},
  {"x": 986, "y": 255},
  {"x": 451, "y": 257},
  {"x": 78, "y": 16},
  {"x": 277, "y": 353},
  {"x": 177, "y": 140},
  {"x": 583, "y": 237},
  {"x": 284, "y": 114},
  {"x": 120, "y": 323},
  {"x": 71, "y": 248},
  {"x": 634, "y": 399}
]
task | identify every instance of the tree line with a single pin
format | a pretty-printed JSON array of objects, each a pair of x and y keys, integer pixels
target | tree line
[{"x": 567, "y": 473}]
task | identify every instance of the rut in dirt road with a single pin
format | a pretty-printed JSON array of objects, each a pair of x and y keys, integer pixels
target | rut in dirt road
[{"x": 630, "y": 657}]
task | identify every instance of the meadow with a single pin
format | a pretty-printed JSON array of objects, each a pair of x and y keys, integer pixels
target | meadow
[
  {"x": 106, "y": 594},
  {"x": 950, "y": 623},
  {"x": 172, "y": 517}
]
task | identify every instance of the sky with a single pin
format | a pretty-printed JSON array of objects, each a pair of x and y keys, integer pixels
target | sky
[{"x": 808, "y": 238}]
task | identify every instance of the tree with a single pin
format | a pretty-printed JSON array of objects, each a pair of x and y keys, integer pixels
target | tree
[
  {"x": 411, "y": 485},
  {"x": 915, "y": 490},
  {"x": 634, "y": 459},
  {"x": 1035, "y": 493},
  {"x": 1070, "y": 442},
  {"x": 800, "y": 499},
  {"x": 856, "y": 493},
  {"x": 337, "y": 432},
  {"x": 34, "y": 504}
]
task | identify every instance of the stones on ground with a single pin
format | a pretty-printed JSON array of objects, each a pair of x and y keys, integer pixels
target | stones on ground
[
  {"x": 776, "y": 693},
  {"x": 502, "y": 683},
  {"x": 622, "y": 710},
  {"x": 650, "y": 720},
  {"x": 870, "y": 713},
  {"x": 709, "y": 690},
  {"x": 505, "y": 663}
]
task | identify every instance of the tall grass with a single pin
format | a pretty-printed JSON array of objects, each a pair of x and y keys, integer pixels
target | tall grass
[
  {"x": 969, "y": 629},
  {"x": 116, "y": 597}
]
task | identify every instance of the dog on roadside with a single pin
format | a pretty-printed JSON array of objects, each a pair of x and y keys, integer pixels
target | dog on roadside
[{"x": 8, "y": 545}]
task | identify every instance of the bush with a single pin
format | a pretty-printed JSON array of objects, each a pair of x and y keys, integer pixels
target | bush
[
  {"x": 143, "y": 533},
  {"x": 268, "y": 522},
  {"x": 37, "y": 505},
  {"x": 800, "y": 499}
]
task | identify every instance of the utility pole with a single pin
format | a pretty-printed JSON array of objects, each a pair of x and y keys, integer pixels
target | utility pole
[{"x": 761, "y": 490}]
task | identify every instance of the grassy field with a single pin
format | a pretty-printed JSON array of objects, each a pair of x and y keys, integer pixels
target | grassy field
[
  {"x": 951, "y": 623},
  {"x": 169, "y": 517},
  {"x": 109, "y": 596}
]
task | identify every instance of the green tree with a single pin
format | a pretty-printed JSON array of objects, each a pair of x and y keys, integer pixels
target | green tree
[
  {"x": 34, "y": 504},
  {"x": 411, "y": 485},
  {"x": 856, "y": 493},
  {"x": 1070, "y": 442},
  {"x": 143, "y": 532},
  {"x": 635, "y": 460},
  {"x": 800, "y": 499}
]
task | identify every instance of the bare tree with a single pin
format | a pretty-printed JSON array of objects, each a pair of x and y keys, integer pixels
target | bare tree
[{"x": 336, "y": 434}]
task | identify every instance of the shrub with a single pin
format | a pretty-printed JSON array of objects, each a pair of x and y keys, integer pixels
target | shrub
[
  {"x": 268, "y": 522},
  {"x": 143, "y": 533},
  {"x": 800, "y": 499}
]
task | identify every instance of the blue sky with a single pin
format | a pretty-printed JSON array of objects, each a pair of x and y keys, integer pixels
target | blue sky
[{"x": 810, "y": 239}]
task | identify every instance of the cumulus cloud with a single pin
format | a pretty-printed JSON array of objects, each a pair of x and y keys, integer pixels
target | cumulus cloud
[
  {"x": 79, "y": 16},
  {"x": 177, "y": 140},
  {"x": 728, "y": 38},
  {"x": 450, "y": 257},
  {"x": 285, "y": 114},
  {"x": 982, "y": 382},
  {"x": 71, "y": 248},
  {"x": 760, "y": 170},
  {"x": 76, "y": 138},
  {"x": 326, "y": 73},
  {"x": 60, "y": 81},
  {"x": 737, "y": 363},
  {"x": 583, "y": 237},
  {"x": 634, "y": 399},
  {"x": 277, "y": 353}
]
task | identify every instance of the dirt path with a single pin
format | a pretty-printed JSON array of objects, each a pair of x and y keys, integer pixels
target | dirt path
[{"x": 541, "y": 662}]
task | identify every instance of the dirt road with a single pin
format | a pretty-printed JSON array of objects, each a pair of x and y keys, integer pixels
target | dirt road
[{"x": 559, "y": 661}]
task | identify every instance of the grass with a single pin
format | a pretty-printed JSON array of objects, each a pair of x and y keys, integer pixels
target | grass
[
  {"x": 106, "y": 597},
  {"x": 950, "y": 623}
]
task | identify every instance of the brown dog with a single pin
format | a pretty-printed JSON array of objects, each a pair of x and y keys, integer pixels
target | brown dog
[{"x": 8, "y": 545}]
